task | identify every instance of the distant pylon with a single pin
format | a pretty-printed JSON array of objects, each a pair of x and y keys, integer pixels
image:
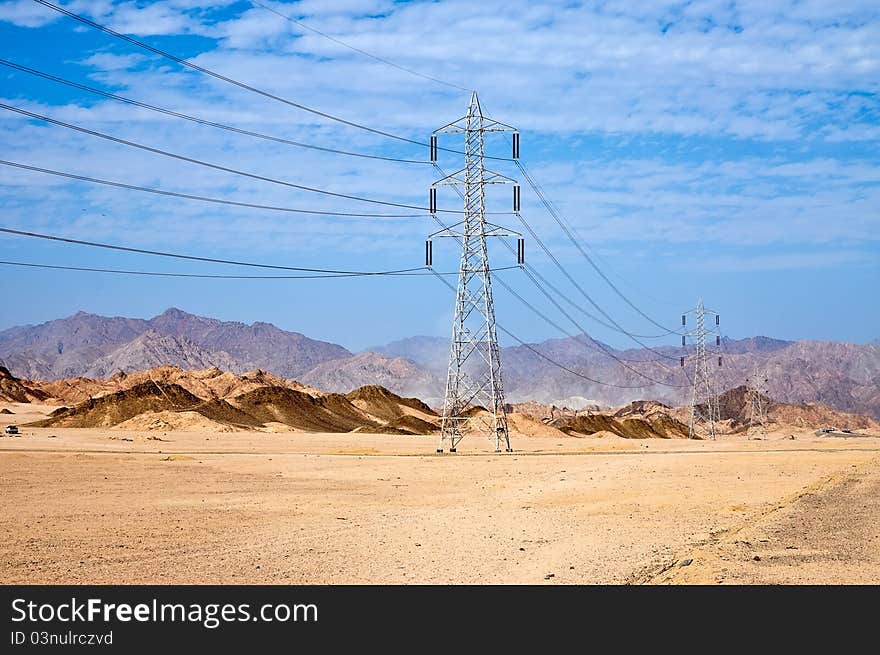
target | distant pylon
[
  {"x": 757, "y": 392},
  {"x": 474, "y": 375},
  {"x": 704, "y": 398}
]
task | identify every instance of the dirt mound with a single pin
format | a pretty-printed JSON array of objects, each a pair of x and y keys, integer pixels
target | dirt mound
[
  {"x": 6, "y": 411},
  {"x": 734, "y": 406},
  {"x": 120, "y": 406},
  {"x": 383, "y": 430},
  {"x": 816, "y": 415},
  {"x": 527, "y": 425},
  {"x": 76, "y": 390},
  {"x": 14, "y": 390},
  {"x": 185, "y": 421},
  {"x": 205, "y": 383},
  {"x": 221, "y": 411},
  {"x": 413, "y": 425},
  {"x": 539, "y": 411},
  {"x": 642, "y": 408},
  {"x": 329, "y": 413},
  {"x": 383, "y": 404},
  {"x": 661, "y": 426}
]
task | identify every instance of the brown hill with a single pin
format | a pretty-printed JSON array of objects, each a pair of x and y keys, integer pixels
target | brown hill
[
  {"x": 734, "y": 406},
  {"x": 413, "y": 425},
  {"x": 120, "y": 406},
  {"x": 329, "y": 413},
  {"x": 662, "y": 427},
  {"x": 206, "y": 383},
  {"x": 14, "y": 390},
  {"x": 381, "y": 403}
]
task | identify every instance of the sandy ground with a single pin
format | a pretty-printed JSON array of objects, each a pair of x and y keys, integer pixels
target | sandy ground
[{"x": 120, "y": 506}]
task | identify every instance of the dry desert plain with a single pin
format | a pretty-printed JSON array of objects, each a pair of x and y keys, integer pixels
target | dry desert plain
[{"x": 99, "y": 506}]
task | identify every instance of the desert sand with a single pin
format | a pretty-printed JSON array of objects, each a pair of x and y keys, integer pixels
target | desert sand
[{"x": 101, "y": 505}]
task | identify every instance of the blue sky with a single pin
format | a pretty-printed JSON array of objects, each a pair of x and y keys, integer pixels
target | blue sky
[{"x": 727, "y": 150}]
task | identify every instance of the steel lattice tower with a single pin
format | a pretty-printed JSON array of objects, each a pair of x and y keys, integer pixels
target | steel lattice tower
[
  {"x": 757, "y": 391},
  {"x": 704, "y": 399},
  {"x": 474, "y": 375}
]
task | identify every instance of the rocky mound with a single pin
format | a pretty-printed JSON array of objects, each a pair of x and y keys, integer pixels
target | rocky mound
[
  {"x": 6, "y": 411},
  {"x": 206, "y": 383},
  {"x": 734, "y": 406},
  {"x": 13, "y": 390},
  {"x": 656, "y": 427},
  {"x": 115, "y": 408},
  {"x": 381, "y": 403},
  {"x": 816, "y": 415},
  {"x": 412, "y": 425},
  {"x": 329, "y": 413},
  {"x": 185, "y": 421}
]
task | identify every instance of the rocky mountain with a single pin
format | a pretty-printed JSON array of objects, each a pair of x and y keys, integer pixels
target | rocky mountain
[
  {"x": 87, "y": 344},
  {"x": 400, "y": 375},
  {"x": 169, "y": 398},
  {"x": 17, "y": 391},
  {"x": 152, "y": 349},
  {"x": 574, "y": 372},
  {"x": 430, "y": 353},
  {"x": 843, "y": 376},
  {"x": 258, "y": 345}
]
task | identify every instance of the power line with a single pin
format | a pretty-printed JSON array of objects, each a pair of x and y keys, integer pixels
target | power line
[
  {"x": 218, "y": 167},
  {"x": 188, "y": 196},
  {"x": 571, "y": 336},
  {"x": 185, "y": 275},
  {"x": 596, "y": 345},
  {"x": 229, "y": 80},
  {"x": 242, "y": 85},
  {"x": 531, "y": 269},
  {"x": 358, "y": 50},
  {"x": 562, "y": 223},
  {"x": 201, "y": 121},
  {"x": 219, "y": 277},
  {"x": 547, "y": 357},
  {"x": 583, "y": 292},
  {"x": 159, "y": 253}
]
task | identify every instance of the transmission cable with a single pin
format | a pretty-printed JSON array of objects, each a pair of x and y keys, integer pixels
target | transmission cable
[
  {"x": 546, "y": 357},
  {"x": 184, "y": 275},
  {"x": 142, "y": 251},
  {"x": 562, "y": 224},
  {"x": 596, "y": 344},
  {"x": 188, "y": 196},
  {"x": 218, "y": 167},
  {"x": 201, "y": 121},
  {"x": 219, "y": 277},
  {"x": 358, "y": 50},
  {"x": 242, "y": 85}
]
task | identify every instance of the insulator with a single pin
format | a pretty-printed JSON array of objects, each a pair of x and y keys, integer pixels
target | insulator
[
  {"x": 717, "y": 319},
  {"x": 520, "y": 251},
  {"x": 683, "y": 318},
  {"x": 719, "y": 361},
  {"x": 429, "y": 253},
  {"x": 516, "y": 145},
  {"x": 682, "y": 361},
  {"x": 682, "y": 341},
  {"x": 434, "y": 147},
  {"x": 717, "y": 340},
  {"x": 516, "y": 197},
  {"x": 433, "y": 200}
]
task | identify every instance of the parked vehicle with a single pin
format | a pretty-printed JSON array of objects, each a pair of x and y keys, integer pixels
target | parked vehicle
[{"x": 12, "y": 429}]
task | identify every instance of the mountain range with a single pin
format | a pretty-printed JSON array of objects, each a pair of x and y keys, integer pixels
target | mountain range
[{"x": 842, "y": 375}]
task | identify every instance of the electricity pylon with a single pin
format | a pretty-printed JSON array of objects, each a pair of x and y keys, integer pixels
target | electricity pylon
[
  {"x": 474, "y": 375},
  {"x": 704, "y": 388},
  {"x": 757, "y": 391}
]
